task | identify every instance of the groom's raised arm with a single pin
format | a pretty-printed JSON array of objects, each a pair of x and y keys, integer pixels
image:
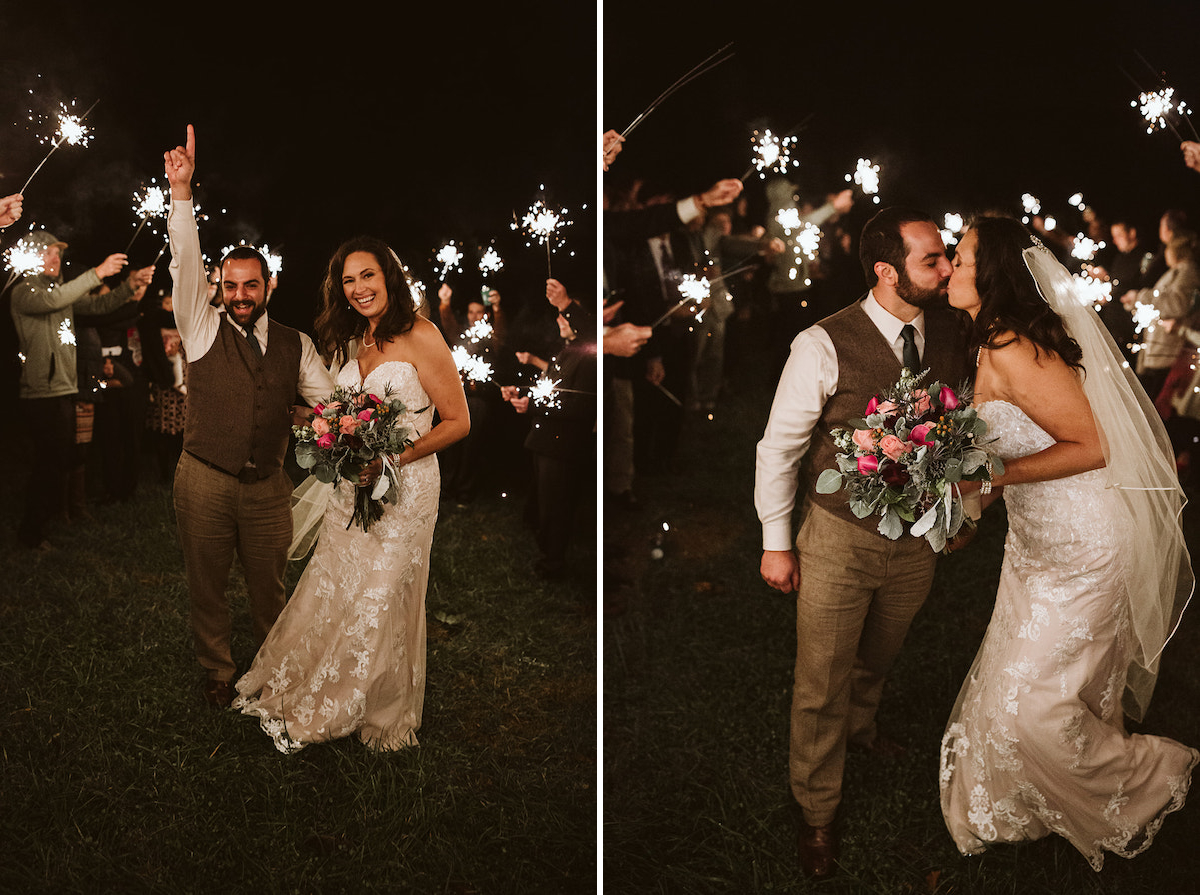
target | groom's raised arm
[
  {"x": 809, "y": 377},
  {"x": 196, "y": 319}
]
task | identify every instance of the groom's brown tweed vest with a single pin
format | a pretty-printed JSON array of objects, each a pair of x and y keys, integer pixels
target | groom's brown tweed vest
[
  {"x": 239, "y": 405},
  {"x": 867, "y": 366}
]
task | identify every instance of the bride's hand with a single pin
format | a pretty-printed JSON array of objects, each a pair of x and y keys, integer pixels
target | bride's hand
[{"x": 370, "y": 474}]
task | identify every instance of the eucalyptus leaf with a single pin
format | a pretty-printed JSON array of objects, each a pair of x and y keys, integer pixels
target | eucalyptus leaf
[{"x": 829, "y": 481}]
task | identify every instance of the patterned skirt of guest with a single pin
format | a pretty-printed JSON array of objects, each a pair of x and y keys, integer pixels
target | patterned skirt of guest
[{"x": 166, "y": 411}]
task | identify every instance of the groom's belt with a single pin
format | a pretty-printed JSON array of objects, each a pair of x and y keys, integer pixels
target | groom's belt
[{"x": 247, "y": 475}]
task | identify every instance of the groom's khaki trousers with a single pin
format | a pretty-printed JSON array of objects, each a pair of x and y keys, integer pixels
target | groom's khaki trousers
[
  {"x": 219, "y": 517},
  {"x": 858, "y": 595}
]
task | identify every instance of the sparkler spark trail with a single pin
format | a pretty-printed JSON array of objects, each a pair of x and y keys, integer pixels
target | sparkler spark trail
[
  {"x": 72, "y": 130},
  {"x": 707, "y": 65},
  {"x": 1092, "y": 291},
  {"x": 477, "y": 332},
  {"x": 1144, "y": 316},
  {"x": 866, "y": 175},
  {"x": 1085, "y": 248},
  {"x": 152, "y": 204},
  {"x": 474, "y": 368},
  {"x": 694, "y": 290},
  {"x": 274, "y": 259}
]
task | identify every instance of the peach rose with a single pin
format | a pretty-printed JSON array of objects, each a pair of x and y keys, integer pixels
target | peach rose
[
  {"x": 864, "y": 439},
  {"x": 924, "y": 402},
  {"x": 893, "y": 448},
  {"x": 348, "y": 425},
  {"x": 320, "y": 425}
]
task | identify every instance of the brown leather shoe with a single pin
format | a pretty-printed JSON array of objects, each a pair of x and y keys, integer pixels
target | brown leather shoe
[
  {"x": 218, "y": 694},
  {"x": 818, "y": 848}
]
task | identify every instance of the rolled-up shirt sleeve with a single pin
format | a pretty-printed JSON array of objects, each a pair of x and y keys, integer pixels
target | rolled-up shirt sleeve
[
  {"x": 809, "y": 378},
  {"x": 195, "y": 318},
  {"x": 314, "y": 383}
]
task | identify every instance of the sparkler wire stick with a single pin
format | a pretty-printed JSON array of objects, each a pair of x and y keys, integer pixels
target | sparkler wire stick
[
  {"x": 57, "y": 143},
  {"x": 702, "y": 67}
]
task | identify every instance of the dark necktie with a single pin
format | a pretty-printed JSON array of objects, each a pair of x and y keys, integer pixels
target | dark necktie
[
  {"x": 912, "y": 360},
  {"x": 252, "y": 341}
]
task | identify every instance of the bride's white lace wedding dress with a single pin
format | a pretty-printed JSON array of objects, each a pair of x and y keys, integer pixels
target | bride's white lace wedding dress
[
  {"x": 1036, "y": 743},
  {"x": 347, "y": 654}
]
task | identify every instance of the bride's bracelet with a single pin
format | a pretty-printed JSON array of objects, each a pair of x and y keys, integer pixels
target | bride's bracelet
[{"x": 985, "y": 487}]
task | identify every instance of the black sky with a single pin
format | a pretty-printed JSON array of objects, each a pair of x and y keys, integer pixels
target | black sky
[
  {"x": 964, "y": 106},
  {"x": 416, "y": 126}
]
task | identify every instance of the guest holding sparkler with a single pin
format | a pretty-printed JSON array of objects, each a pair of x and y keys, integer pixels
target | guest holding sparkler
[
  {"x": 562, "y": 434},
  {"x": 232, "y": 496},
  {"x": 43, "y": 312},
  {"x": 347, "y": 655},
  {"x": 1171, "y": 298},
  {"x": 480, "y": 342},
  {"x": 10, "y": 209}
]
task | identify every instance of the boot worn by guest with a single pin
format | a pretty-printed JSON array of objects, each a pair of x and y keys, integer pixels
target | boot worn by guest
[{"x": 819, "y": 848}]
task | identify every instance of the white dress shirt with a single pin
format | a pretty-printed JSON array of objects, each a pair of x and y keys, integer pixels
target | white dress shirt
[
  {"x": 809, "y": 379},
  {"x": 199, "y": 322}
]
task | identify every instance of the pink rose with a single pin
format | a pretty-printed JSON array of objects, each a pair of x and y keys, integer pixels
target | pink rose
[
  {"x": 887, "y": 407},
  {"x": 320, "y": 425},
  {"x": 868, "y": 464},
  {"x": 872, "y": 405},
  {"x": 348, "y": 425},
  {"x": 920, "y": 435},
  {"x": 948, "y": 398},
  {"x": 365, "y": 415},
  {"x": 326, "y": 440},
  {"x": 924, "y": 402},
  {"x": 893, "y": 448},
  {"x": 864, "y": 439}
]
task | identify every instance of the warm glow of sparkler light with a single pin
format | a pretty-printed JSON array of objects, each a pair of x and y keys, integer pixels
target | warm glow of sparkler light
[
  {"x": 1156, "y": 106},
  {"x": 66, "y": 335},
  {"x": 866, "y": 175},
  {"x": 809, "y": 240},
  {"x": 474, "y": 368},
  {"x": 693, "y": 288},
  {"x": 772, "y": 153},
  {"x": 1050, "y": 222},
  {"x": 543, "y": 225},
  {"x": 152, "y": 204},
  {"x": 1084, "y": 248},
  {"x": 71, "y": 130},
  {"x": 1032, "y": 205},
  {"x": 274, "y": 259},
  {"x": 544, "y": 393},
  {"x": 490, "y": 261},
  {"x": 1145, "y": 316}
]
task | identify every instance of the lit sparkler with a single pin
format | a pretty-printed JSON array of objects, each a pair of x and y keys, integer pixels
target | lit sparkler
[
  {"x": 71, "y": 130},
  {"x": 23, "y": 259},
  {"x": 1092, "y": 291},
  {"x": 789, "y": 219},
  {"x": 772, "y": 154},
  {"x": 1144, "y": 316},
  {"x": 1031, "y": 204},
  {"x": 544, "y": 393},
  {"x": 66, "y": 335},
  {"x": 1084, "y": 248},
  {"x": 490, "y": 262},
  {"x": 274, "y": 259},
  {"x": 151, "y": 204},
  {"x": 866, "y": 175},
  {"x": 1156, "y": 108},
  {"x": 448, "y": 258},
  {"x": 478, "y": 331},
  {"x": 952, "y": 229},
  {"x": 808, "y": 240},
  {"x": 473, "y": 367},
  {"x": 543, "y": 225}
]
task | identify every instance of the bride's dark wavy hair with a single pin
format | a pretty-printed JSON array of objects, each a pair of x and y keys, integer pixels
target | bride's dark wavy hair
[
  {"x": 338, "y": 323},
  {"x": 1009, "y": 298}
]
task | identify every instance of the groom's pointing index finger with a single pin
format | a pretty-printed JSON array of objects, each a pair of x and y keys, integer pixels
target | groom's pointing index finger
[{"x": 190, "y": 146}]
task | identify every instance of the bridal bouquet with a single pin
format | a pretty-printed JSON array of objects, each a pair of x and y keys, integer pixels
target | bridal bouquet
[
  {"x": 904, "y": 458},
  {"x": 351, "y": 429}
]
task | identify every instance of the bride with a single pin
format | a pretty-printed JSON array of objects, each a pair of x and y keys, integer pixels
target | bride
[
  {"x": 347, "y": 654},
  {"x": 1095, "y": 572}
]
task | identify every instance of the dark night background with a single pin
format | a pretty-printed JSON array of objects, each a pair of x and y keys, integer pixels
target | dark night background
[
  {"x": 364, "y": 119},
  {"x": 964, "y": 106}
]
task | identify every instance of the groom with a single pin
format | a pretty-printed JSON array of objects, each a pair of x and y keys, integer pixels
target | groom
[
  {"x": 244, "y": 371},
  {"x": 857, "y": 591}
]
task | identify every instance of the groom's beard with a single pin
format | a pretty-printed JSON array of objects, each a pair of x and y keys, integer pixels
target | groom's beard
[{"x": 917, "y": 296}]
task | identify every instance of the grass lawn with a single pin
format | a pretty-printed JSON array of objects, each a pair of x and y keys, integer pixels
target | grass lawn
[
  {"x": 698, "y": 655},
  {"x": 113, "y": 778}
]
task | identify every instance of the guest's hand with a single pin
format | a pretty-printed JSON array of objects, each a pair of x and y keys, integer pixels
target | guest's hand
[
  {"x": 1191, "y": 154},
  {"x": 556, "y": 294},
  {"x": 180, "y": 165},
  {"x": 301, "y": 414},
  {"x": 140, "y": 279},
  {"x": 444, "y": 294},
  {"x": 781, "y": 570},
  {"x": 520, "y": 405},
  {"x": 655, "y": 371},
  {"x": 775, "y": 247},
  {"x": 1167, "y": 324},
  {"x": 721, "y": 193},
  {"x": 626, "y": 340},
  {"x": 611, "y": 147},
  {"x": 10, "y": 209},
  {"x": 508, "y": 392},
  {"x": 111, "y": 265},
  {"x": 610, "y": 310},
  {"x": 843, "y": 201},
  {"x": 494, "y": 299}
]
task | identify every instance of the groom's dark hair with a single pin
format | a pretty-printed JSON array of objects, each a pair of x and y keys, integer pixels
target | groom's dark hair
[{"x": 881, "y": 239}]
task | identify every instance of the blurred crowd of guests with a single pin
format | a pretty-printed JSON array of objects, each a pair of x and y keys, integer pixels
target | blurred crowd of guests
[{"x": 97, "y": 363}]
